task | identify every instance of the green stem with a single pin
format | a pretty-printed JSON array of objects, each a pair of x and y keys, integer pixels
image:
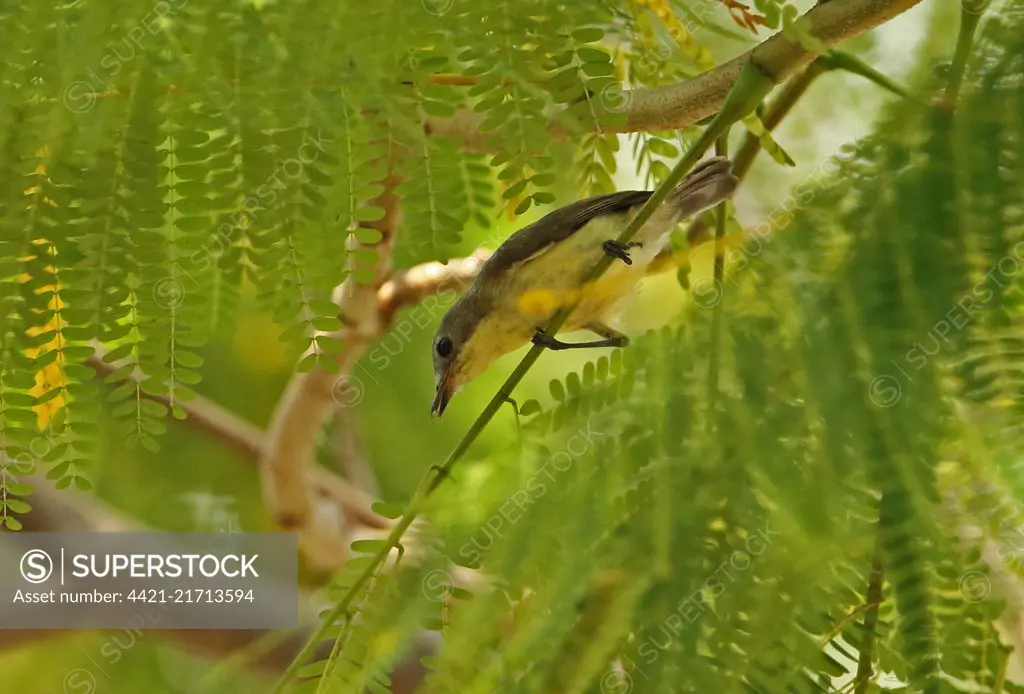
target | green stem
[
  {"x": 841, "y": 60},
  {"x": 969, "y": 18},
  {"x": 752, "y": 85},
  {"x": 867, "y": 645},
  {"x": 722, "y": 150}
]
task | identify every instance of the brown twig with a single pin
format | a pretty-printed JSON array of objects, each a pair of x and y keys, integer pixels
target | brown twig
[
  {"x": 243, "y": 437},
  {"x": 417, "y": 283},
  {"x": 248, "y": 441}
]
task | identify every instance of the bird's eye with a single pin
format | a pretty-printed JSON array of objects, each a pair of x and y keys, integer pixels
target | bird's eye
[{"x": 444, "y": 346}]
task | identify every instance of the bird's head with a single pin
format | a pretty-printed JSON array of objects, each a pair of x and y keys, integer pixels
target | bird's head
[{"x": 461, "y": 348}]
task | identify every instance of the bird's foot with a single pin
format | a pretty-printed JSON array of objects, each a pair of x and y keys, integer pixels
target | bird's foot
[
  {"x": 620, "y": 250},
  {"x": 543, "y": 339},
  {"x": 515, "y": 410}
]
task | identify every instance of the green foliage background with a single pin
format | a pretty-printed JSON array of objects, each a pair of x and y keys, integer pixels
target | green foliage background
[{"x": 637, "y": 538}]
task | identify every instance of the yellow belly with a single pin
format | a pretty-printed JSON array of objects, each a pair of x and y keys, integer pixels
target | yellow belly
[{"x": 540, "y": 300}]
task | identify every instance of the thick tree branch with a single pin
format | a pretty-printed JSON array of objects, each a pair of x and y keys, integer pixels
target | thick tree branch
[
  {"x": 417, "y": 283},
  {"x": 287, "y": 463},
  {"x": 684, "y": 104},
  {"x": 681, "y": 105}
]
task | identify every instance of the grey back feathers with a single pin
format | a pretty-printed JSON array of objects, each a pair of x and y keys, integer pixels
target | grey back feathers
[
  {"x": 557, "y": 226},
  {"x": 708, "y": 184}
]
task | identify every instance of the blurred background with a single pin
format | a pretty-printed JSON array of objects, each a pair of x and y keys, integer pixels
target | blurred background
[{"x": 195, "y": 482}]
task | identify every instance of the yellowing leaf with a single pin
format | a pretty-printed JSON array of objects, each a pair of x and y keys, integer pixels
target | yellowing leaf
[
  {"x": 682, "y": 37},
  {"x": 50, "y": 376}
]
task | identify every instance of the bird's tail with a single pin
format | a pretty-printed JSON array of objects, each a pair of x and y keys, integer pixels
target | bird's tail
[{"x": 706, "y": 186}]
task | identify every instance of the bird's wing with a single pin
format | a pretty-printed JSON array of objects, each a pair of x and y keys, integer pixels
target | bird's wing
[{"x": 533, "y": 240}]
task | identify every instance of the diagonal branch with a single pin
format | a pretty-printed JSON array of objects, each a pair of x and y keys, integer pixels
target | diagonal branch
[
  {"x": 248, "y": 441},
  {"x": 243, "y": 437},
  {"x": 681, "y": 105}
]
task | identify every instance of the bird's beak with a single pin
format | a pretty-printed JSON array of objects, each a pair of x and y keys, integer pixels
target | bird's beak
[{"x": 443, "y": 394}]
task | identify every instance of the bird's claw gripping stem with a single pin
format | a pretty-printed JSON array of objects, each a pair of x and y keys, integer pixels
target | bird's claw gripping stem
[
  {"x": 544, "y": 340},
  {"x": 515, "y": 410},
  {"x": 620, "y": 250}
]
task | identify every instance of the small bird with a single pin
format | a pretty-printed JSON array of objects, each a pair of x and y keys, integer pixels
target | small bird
[{"x": 540, "y": 268}]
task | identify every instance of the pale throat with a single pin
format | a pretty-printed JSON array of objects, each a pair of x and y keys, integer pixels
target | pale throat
[{"x": 494, "y": 337}]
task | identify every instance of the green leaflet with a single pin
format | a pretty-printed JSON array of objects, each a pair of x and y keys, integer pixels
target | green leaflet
[{"x": 757, "y": 129}]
